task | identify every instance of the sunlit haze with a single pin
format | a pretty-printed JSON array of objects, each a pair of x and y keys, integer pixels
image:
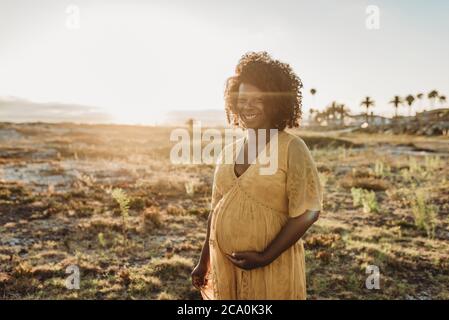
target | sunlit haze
[{"x": 138, "y": 60}]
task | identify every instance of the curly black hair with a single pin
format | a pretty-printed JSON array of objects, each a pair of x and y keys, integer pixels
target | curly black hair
[{"x": 281, "y": 86}]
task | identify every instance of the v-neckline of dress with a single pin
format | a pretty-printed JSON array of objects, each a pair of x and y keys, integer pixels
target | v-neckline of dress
[{"x": 250, "y": 165}]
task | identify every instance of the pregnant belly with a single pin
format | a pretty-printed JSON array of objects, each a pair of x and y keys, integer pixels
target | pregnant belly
[{"x": 242, "y": 225}]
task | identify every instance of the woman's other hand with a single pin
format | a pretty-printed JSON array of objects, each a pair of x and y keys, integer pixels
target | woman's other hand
[
  {"x": 248, "y": 259},
  {"x": 199, "y": 275}
]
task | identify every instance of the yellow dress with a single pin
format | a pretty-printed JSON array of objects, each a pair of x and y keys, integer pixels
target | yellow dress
[{"x": 249, "y": 211}]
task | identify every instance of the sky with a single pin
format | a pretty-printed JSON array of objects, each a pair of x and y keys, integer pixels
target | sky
[{"x": 138, "y": 60}]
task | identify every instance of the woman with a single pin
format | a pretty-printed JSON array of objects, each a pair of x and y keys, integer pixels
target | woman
[{"x": 253, "y": 247}]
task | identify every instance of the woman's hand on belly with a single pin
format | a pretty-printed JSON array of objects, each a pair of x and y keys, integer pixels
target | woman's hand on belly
[
  {"x": 248, "y": 259},
  {"x": 291, "y": 232}
]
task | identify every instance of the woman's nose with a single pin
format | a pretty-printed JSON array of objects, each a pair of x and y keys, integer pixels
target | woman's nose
[{"x": 249, "y": 104}]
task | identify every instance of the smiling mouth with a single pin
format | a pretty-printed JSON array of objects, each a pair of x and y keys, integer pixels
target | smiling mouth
[{"x": 250, "y": 116}]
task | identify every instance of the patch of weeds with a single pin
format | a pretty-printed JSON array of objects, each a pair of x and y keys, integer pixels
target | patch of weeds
[
  {"x": 151, "y": 217},
  {"x": 381, "y": 170},
  {"x": 137, "y": 204},
  {"x": 322, "y": 240},
  {"x": 199, "y": 212},
  {"x": 143, "y": 286},
  {"x": 101, "y": 240},
  {"x": 190, "y": 188},
  {"x": 318, "y": 285},
  {"x": 165, "y": 296},
  {"x": 366, "y": 199},
  {"x": 368, "y": 183},
  {"x": 432, "y": 162},
  {"x": 123, "y": 200},
  {"x": 172, "y": 268},
  {"x": 424, "y": 213},
  {"x": 175, "y": 210}
]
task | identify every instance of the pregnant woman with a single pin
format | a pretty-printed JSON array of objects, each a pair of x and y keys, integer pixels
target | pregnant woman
[{"x": 253, "y": 247}]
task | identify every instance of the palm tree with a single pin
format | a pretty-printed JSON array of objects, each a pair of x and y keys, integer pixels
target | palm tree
[
  {"x": 367, "y": 103},
  {"x": 442, "y": 100},
  {"x": 396, "y": 102},
  {"x": 311, "y": 112},
  {"x": 320, "y": 116},
  {"x": 343, "y": 111},
  {"x": 432, "y": 95},
  {"x": 313, "y": 93},
  {"x": 409, "y": 99},
  {"x": 420, "y": 96},
  {"x": 331, "y": 111},
  {"x": 325, "y": 115}
]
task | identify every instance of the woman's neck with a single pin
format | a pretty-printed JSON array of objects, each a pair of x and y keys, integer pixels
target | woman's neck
[{"x": 262, "y": 135}]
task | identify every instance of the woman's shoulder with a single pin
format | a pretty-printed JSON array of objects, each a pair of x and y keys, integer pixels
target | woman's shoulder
[
  {"x": 296, "y": 147},
  {"x": 292, "y": 141}
]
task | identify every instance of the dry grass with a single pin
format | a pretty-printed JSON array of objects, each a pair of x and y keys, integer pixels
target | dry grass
[{"x": 56, "y": 210}]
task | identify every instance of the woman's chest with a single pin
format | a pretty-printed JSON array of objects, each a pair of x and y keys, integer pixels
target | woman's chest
[{"x": 251, "y": 178}]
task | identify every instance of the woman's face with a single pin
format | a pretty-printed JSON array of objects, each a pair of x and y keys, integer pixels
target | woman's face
[{"x": 250, "y": 107}]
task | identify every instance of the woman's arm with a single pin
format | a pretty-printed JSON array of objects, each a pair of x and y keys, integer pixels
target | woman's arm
[
  {"x": 199, "y": 272},
  {"x": 204, "y": 258},
  {"x": 291, "y": 232},
  {"x": 294, "y": 229}
]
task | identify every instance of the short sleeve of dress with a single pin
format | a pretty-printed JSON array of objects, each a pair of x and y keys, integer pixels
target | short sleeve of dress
[{"x": 303, "y": 185}]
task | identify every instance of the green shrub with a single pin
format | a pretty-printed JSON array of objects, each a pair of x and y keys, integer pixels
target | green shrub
[
  {"x": 424, "y": 213},
  {"x": 381, "y": 170},
  {"x": 365, "y": 198},
  {"x": 123, "y": 200}
]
